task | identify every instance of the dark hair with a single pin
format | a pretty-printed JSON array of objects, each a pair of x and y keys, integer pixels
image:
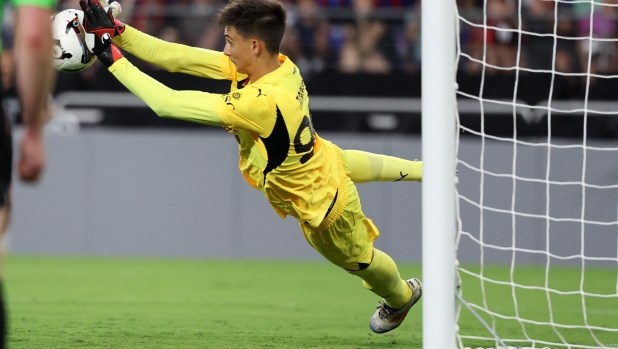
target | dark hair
[{"x": 263, "y": 19}]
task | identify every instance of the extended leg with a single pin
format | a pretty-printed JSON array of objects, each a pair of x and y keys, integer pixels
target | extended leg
[
  {"x": 368, "y": 167},
  {"x": 382, "y": 278},
  {"x": 348, "y": 243}
]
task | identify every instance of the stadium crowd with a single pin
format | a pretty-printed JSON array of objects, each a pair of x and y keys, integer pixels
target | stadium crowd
[
  {"x": 381, "y": 36},
  {"x": 345, "y": 46}
]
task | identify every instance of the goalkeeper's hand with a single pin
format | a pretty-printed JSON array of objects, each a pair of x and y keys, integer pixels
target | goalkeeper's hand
[{"x": 102, "y": 27}]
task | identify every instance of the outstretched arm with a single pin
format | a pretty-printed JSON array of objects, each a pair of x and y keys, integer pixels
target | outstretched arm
[
  {"x": 368, "y": 167},
  {"x": 175, "y": 58},
  {"x": 193, "y": 106}
]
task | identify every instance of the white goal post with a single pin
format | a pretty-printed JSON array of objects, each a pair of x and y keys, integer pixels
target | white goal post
[
  {"x": 534, "y": 218},
  {"x": 438, "y": 124}
]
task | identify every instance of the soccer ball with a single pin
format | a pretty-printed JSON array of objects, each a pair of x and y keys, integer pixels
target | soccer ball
[{"x": 70, "y": 52}]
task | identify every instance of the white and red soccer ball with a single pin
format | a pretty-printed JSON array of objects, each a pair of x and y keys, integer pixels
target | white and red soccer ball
[{"x": 71, "y": 53}]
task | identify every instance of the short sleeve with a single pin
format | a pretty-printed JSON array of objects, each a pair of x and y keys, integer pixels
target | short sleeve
[{"x": 248, "y": 109}]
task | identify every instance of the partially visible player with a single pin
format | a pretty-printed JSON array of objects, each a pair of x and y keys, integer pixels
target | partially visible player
[
  {"x": 35, "y": 77},
  {"x": 267, "y": 110}
]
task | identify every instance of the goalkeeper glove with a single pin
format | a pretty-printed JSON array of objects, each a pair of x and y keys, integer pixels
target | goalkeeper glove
[{"x": 103, "y": 27}]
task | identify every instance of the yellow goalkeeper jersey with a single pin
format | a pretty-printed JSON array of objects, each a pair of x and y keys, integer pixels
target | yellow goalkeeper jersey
[{"x": 280, "y": 152}]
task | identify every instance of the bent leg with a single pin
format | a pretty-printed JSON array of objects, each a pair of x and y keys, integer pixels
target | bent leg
[{"x": 368, "y": 167}]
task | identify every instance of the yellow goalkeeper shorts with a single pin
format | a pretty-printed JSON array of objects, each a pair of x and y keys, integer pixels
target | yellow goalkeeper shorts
[{"x": 346, "y": 235}]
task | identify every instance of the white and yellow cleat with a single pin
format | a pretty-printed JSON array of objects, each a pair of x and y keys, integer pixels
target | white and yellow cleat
[{"x": 387, "y": 319}]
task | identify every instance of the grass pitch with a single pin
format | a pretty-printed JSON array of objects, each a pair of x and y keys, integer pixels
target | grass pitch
[
  {"x": 177, "y": 303},
  {"x": 85, "y": 302}
]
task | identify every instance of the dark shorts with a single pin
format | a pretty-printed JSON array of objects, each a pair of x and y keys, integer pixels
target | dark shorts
[{"x": 6, "y": 157}]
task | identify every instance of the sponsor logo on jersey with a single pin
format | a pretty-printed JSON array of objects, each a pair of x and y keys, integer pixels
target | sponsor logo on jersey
[{"x": 302, "y": 92}]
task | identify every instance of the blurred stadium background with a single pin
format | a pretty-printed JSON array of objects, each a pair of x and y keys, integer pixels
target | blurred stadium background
[{"x": 122, "y": 182}]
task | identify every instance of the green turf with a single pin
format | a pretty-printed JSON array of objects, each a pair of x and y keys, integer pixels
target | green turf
[
  {"x": 84, "y": 302},
  {"x": 171, "y": 303},
  {"x": 535, "y": 305}
]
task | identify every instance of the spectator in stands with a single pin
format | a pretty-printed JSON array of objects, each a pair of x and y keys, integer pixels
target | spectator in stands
[
  {"x": 312, "y": 31},
  {"x": 566, "y": 86},
  {"x": 538, "y": 18},
  {"x": 410, "y": 45},
  {"x": 211, "y": 38},
  {"x": 376, "y": 3},
  {"x": 468, "y": 35},
  {"x": 603, "y": 27},
  {"x": 350, "y": 57},
  {"x": 394, "y": 3},
  {"x": 497, "y": 45},
  {"x": 149, "y": 15},
  {"x": 360, "y": 50},
  {"x": 171, "y": 34},
  {"x": 334, "y": 3},
  {"x": 128, "y": 6},
  {"x": 503, "y": 50},
  {"x": 291, "y": 46}
]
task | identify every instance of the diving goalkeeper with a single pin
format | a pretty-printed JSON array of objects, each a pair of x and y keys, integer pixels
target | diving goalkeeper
[{"x": 267, "y": 111}]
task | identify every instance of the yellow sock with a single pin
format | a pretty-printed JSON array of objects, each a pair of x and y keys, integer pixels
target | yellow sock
[
  {"x": 382, "y": 278},
  {"x": 368, "y": 167}
]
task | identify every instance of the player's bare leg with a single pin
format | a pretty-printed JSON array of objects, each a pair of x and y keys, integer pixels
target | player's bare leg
[
  {"x": 4, "y": 222},
  {"x": 5, "y": 214}
]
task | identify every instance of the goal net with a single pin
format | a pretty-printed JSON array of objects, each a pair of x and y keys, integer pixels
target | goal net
[{"x": 538, "y": 173}]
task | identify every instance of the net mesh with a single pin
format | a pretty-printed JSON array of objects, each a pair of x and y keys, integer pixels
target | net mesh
[{"x": 537, "y": 210}]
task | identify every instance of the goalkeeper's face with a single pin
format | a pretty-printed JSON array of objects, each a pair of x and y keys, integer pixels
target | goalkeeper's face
[{"x": 244, "y": 53}]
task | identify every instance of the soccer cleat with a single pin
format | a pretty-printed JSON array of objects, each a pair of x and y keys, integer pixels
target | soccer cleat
[{"x": 387, "y": 319}]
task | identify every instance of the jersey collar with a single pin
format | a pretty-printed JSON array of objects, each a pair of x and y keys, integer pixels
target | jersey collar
[{"x": 286, "y": 65}]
